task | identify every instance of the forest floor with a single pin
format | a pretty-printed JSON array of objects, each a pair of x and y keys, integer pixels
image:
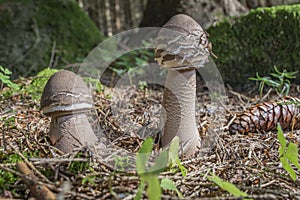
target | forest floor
[{"x": 126, "y": 118}]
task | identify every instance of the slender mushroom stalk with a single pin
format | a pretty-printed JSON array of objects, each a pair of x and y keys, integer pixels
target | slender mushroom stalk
[
  {"x": 67, "y": 99},
  {"x": 182, "y": 46}
]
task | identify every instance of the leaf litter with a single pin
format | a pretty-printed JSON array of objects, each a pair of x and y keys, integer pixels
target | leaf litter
[{"x": 125, "y": 117}]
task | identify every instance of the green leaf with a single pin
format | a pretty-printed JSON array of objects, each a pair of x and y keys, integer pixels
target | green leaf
[
  {"x": 278, "y": 81},
  {"x": 4, "y": 78},
  {"x": 182, "y": 168},
  {"x": 88, "y": 180},
  {"x": 147, "y": 146},
  {"x": 173, "y": 150},
  {"x": 5, "y": 70},
  {"x": 280, "y": 136},
  {"x": 261, "y": 88},
  {"x": 281, "y": 151},
  {"x": 288, "y": 168},
  {"x": 154, "y": 190},
  {"x": 139, "y": 193},
  {"x": 173, "y": 155},
  {"x": 272, "y": 83},
  {"x": 143, "y": 155},
  {"x": 160, "y": 163},
  {"x": 229, "y": 187},
  {"x": 168, "y": 184},
  {"x": 276, "y": 70},
  {"x": 139, "y": 61},
  {"x": 291, "y": 75},
  {"x": 292, "y": 154},
  {"x": 117, "y": 71}
]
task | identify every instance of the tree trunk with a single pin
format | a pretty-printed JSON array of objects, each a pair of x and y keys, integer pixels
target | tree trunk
[
  {"x": 114, "y": 16},
  {"x": 158, "y": 12},
  {"x": 205, "y": 12}
]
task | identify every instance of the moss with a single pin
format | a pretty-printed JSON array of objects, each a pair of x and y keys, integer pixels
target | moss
[
  {"x": 7, "y": 179},
  {"x": 30, "y": 29},
  {"x": 36, "y": 86},
  {"x": 256, "y": 42}
]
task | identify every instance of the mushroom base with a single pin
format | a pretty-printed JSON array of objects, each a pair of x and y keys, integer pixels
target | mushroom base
[{"x": 71, "y": 131}]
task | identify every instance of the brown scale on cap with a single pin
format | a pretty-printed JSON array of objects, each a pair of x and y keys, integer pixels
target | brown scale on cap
[
  {"x": 265, "y": 116},
  {"x": 182, "y": 42}
]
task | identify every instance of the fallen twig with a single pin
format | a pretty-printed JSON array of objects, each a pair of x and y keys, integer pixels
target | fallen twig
[{"x": 38, "y": 190}]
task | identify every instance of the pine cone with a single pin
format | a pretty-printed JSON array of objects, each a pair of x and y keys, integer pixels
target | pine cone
[{"x": 265, "y": 116}]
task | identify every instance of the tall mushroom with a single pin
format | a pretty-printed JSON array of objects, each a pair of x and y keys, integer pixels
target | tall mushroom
[
  {"x": 182, "y": 45},
  {"x": 67, "y": 99}
]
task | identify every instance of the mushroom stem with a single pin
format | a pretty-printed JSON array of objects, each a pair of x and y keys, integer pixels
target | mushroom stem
[
  {"x": 70, "y": 131},
  {"x": 179, "y": 104}
]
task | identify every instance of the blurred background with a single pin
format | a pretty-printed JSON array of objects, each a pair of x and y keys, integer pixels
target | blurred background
[
  {"x": 248, "y": 36},
  {"x": 114, "y": 16}
]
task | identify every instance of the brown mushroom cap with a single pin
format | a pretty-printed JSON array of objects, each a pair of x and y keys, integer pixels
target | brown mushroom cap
[
  {"x": 64, "y": 93},
  {"x": 182, "y": 43}
]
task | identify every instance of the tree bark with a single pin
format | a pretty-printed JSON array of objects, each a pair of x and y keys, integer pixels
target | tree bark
[
  {"x": 205, "y": 12},
  {"x": 158, "y": 12}
]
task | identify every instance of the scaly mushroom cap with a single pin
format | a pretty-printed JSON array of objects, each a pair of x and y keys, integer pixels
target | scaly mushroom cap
[
  {"x": 182, "y": 43},
  {"x": 65, "y": 93}
]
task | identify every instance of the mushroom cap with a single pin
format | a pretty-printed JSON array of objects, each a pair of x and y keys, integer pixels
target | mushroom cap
[
  {"x": 64, "y": 93},
  {"x": 182, "y": 43}
]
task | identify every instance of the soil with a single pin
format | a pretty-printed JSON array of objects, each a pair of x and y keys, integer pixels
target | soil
[{"x": 125, "y": 117}]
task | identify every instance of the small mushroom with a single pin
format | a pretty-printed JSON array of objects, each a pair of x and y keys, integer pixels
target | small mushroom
[
  {"x": 67, "y": 99},
  {"x": 182, "y": 45}
]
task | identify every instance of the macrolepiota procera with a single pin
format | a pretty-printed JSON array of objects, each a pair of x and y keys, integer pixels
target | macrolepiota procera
[
  {"x": 182, "y": 46},
  {"x": 67, "y": 99}
]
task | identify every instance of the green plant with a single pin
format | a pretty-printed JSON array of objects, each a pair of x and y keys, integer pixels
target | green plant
[
  {"x": 108, "y": 96},
  {"x": 8, "y": 121},
  {"x": 89, "y": 180},
  {"x": 79, "y": 166},
  {"x": 36, "y": 86},
  {"x": 262, "y": 48},
  {"x": 224, "y": 185},
  {"x": 5, "y": 79},
  {"x": 48, "y": 172},
  {"x": 95, "y": 84},
  {"x": 121, "y": 163},
  {"x": 167, "y": 184},
  {"x": 279, "y": 81},
  {"x": 8, "y": 178},
  {"x": 288, "y": 154},
  {"x": 132, "y": 63},
  {"x": 174, "y": 161},
  {"x": 290, "y": 101},
  {"x": 142, "y": 85},
  {"x": 149, "y": 175},
  {"x": 54, "y": 33}
]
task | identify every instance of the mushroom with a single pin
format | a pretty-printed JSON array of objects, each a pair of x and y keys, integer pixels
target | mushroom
[
  {"x": 67, "y": 99},
  {"x": 182, "y": 46}
]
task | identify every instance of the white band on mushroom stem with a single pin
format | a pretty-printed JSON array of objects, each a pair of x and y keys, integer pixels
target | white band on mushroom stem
[{"x": 61, "y": 108}]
